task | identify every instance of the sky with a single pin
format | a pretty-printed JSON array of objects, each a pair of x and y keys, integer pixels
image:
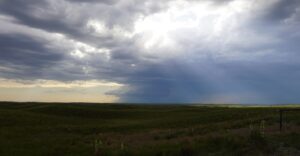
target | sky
[{"x": 145, "y": 51}]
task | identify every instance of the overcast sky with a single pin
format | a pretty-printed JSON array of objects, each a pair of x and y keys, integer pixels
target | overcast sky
[{"x": 183, "y": 51}]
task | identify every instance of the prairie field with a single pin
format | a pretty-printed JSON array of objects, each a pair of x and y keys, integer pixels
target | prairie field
[{"x": 54, "y": 129}]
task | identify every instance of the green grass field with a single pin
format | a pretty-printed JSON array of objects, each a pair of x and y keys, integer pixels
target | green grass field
[{"x": 37, "y": 129}]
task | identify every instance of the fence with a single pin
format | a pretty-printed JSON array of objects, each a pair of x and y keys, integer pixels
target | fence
[{"x": 281, "y": 111}]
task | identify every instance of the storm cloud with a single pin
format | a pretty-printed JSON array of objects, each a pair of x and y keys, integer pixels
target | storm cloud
[{"x": 221, "y": 51}]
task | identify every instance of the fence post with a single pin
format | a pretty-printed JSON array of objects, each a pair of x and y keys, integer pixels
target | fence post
[{"x": 280, "y": 119}]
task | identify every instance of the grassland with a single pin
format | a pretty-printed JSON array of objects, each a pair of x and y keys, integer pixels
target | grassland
[{"x": 40, "y": 129}]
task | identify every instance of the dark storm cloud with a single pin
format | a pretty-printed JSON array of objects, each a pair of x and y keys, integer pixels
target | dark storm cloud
[
  {"x": 283, "y": 10},
  {"x": 54, "y": 21},
  {"x": 26, "y": 55},
  {"x": 22, "y": 50},
  {"x": 167, "y": 82},
  {"x": 205, "y": 76},
  {"x": 95, "y": 1},
  {"x": 276, "y": 81},
  {"x": 70, "y": 18},
  {"x": 252, "y": 82}
]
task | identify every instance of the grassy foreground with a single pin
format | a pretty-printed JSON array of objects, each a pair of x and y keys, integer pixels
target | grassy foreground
[{"x": 36, "y": 129}]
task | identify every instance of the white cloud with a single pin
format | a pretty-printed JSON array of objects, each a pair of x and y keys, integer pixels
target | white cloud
[
  {"x": 99, "y": 29},
  {"x": 185, "y": 27},
  {"x": 82, "y": 50}
]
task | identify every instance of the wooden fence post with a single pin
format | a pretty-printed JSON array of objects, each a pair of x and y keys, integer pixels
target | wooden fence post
[{"x": 280, "y": 119}]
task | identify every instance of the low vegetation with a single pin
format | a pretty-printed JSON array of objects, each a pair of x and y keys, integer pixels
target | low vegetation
[{"x": 39, "y": 129}]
